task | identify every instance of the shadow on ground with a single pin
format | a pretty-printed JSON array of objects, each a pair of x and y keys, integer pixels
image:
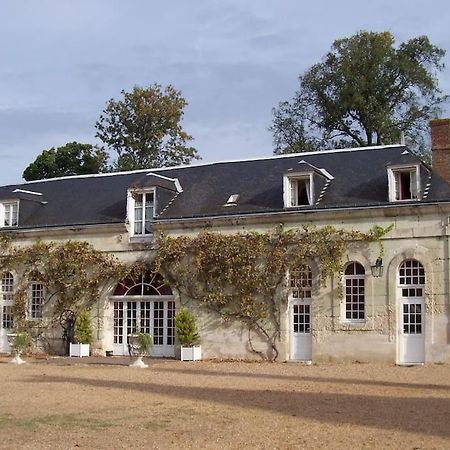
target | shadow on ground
[
  {"x": 405, "y": 413},
  {"x": 208, "y": 373}
]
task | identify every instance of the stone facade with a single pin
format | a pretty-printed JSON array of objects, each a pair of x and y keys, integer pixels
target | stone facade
[{"x": 419, "y": 232}]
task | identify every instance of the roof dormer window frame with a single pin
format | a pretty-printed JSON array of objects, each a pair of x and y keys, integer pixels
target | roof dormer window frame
[
  {"x": 298, "y": 189},
  {"x": 9, "y": 213},
  {"x": 404, "y": 183},
  {"x": 141, "y": 207}
]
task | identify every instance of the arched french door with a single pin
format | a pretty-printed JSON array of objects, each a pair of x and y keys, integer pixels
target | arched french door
[
  {"x": 145, "y": 304},
  {"x": 411, "y": 312},
  {"x": 300, "y": 313}
]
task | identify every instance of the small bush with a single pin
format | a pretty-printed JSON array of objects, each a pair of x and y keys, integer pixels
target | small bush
[
  {"x": 83, "y": 328},
  {"x": 186, "y": 328}
]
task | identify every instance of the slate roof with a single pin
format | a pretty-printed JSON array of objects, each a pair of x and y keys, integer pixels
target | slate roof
[{"x": 358, "y": 179}]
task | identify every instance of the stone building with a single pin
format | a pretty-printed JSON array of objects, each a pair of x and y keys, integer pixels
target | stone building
[{"x": 396, "y": 309}]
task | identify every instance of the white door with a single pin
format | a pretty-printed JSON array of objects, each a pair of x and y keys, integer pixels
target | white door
[
  {"x": 412, "y": 330},
  {"x": 411, "y": 313},
  {"x": 300, "y": 329},
  {"x": 155, "y": 317}
]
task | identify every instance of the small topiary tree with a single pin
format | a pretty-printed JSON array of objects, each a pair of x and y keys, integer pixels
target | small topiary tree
[
  {"x": 186, "y": 328},
  {"x": 83, "y": 328}
]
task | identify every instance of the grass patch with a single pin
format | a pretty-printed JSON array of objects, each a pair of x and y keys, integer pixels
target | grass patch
[
  {"x": 155, "y": 425},
  {"x": 58, "y": 420}
]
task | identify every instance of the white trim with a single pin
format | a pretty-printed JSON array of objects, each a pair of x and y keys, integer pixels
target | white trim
[
  {"x": 363, "y": 277},
  {"x": 290, "y": 155},
  {"x": 174, "y": 180},
  {"x": 322, "y": 171},
  {"x": 23, "y": 191},
  {"x": 3, "y": 203},
  {"x": 392, "y": 183},
  {"x": 30, "y": 301},
  {"x": 287, "y": 187},
  {"x": 327, "y": 174},
  {"x": 317, "y": 211}
]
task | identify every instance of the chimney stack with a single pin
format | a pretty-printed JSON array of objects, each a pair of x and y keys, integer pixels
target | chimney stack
[{"x": 440, "y": 147}]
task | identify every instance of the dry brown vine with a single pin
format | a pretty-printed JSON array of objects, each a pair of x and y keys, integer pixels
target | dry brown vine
[{"x": 242, "y": 276}]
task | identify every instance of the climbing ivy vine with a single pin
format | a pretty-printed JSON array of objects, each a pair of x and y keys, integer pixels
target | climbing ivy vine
[
  {"x": 73, "y": 273},
  {"x": 242, "y": 276}
]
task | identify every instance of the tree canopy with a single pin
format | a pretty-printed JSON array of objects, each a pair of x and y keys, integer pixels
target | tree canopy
[
  {"x": 144, "y": 128},
  {"x": 365, "y": 91},
  {"x": 72, "y": 158}
]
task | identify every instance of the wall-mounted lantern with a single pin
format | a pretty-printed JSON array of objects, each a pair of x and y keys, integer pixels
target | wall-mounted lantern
[{"x": 377, "y": 269}]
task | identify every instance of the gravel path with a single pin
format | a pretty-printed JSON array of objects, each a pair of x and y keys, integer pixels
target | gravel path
[{"x": 65, "y": 404}]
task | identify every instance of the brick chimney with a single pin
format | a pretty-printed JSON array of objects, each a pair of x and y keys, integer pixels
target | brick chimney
[{"x": 440, "y": 147}]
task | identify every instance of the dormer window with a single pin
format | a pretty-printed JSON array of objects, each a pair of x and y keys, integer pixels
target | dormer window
[
  {"x": 298, "y": 190},
  {"x": 141, "y": 211},
  {"x": 404, "y": 183},
  {"x": 9, "y": 214}
]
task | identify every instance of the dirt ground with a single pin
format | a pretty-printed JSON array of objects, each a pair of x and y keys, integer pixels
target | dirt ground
[{"x": 58, "y": 404}]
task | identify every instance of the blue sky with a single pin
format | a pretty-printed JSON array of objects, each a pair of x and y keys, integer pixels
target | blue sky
[{"x": 233, "y": 60}]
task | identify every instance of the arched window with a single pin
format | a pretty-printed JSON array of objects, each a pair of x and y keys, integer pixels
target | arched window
[
  {"x": 354, "y": 285},
  {"x": 7, "y": 299},
  {"x": 148, "y": 283},
  {"x": 411, "y": 272},
  {"x": 301, "y": 283},
  {"x": 148, "y": 308}
]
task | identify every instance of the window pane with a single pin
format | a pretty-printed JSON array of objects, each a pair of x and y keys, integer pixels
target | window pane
[
  {"x": 138, "y": 227},
  {"x": 37, "y": 300},
  {"x": 411, "y": 272},
  {"x": 405, "y": 186},
  {"x": 354, "y": 292},
  {"x": 7, "y": 320},
  {"x": 14, "y": 215},
  {"x": 302, "y": 193}
]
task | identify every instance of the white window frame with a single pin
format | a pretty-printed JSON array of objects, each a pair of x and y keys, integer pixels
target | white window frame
[
  {"x": 363, "y": 277},
  {"x": 394, "y": 188},
  {"x": 290, "y": 201},
  {"x": 300, "y": 283},
  {"x": 9, "y": 205},
  {"x": 31, "y": 306},
  {"x": 131, "y": 210},
  {"x": 7, "y": 288}
]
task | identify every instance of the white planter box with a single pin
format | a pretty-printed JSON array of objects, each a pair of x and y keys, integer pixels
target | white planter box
[
  {"x": 78, "y": 350},
  {"x": 191, "y": 353}
]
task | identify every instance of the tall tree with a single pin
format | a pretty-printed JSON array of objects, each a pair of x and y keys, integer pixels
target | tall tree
[
  {"x": 364, "y": 92},
  {"x": 144, "y": 128},
  {"x": 73, "y": 158}
]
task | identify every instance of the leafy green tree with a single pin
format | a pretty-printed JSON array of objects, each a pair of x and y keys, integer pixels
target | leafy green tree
[
  {"x": 144, "y": 129},
  {"x": 73, "y": 158},
  {"x": 364, "y": 92}
]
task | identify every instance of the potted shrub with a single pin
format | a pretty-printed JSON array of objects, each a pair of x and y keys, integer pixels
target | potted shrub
[
  {"x": 139, "y": 345},
  {"x": 187, "y": 333},
  {"x": 18, "y": 343},
  {"x": 83, "y": 335}
]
